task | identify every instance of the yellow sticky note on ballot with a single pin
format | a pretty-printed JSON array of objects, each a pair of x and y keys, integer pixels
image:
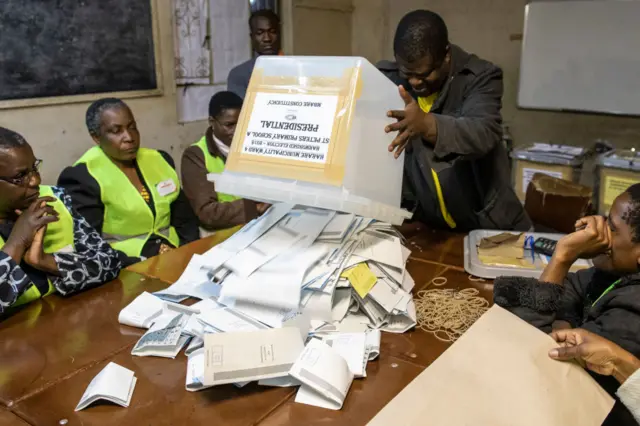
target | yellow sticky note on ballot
[{"x": 361, "y": 279}]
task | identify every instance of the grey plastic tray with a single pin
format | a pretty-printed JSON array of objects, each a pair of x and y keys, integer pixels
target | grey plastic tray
[{"x": 475, "y": 267}]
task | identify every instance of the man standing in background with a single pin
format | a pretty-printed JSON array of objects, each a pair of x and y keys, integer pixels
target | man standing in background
[
  {"x": 265, "y": 40},
  {"x": 456, "y": 167}
]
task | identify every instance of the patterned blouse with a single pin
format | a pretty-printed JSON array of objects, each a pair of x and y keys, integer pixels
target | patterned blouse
[{"x": 92, "y": 263}]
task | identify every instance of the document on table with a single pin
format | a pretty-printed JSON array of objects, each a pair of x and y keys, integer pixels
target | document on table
[
  {"x": 228, "y": 320},
  {"x": 195, "y": 281},
  {"x": 324, "y": 374},
  {"x": 407, "y": 282},
  {"x": 256, "y": 228},
  {"x": 195, "y": 372},
  {"x": 388, "y": 296},
  {"x": 280, "y": 382},
  {"x": 517, "y": 383},
  {"x": 361, "y": 278},
  {"x": 277, "y": 283},
  {"x": 341, "y": 304},
  {"x": 318, "y": 305},
  {"x": 370, "y": 307},
  {"x": 353, "y": 348},
  {"x": 277, "y": 290},
  {"x": 142, "y": 311},
  {"x": 337, "y": 228},
  {"x": 401, "y": 323},
  {"x": 275, "y": 241},
  {"x": 384, "y": 271},
  {"x": 248, "y": 356},
  {"x": 206, "y": 305},
  {"x": 353, "y": 323},
  {"x": 195, "y": 344},
  {"x": 114, "y": 383},
  {"x": 373, "y": 344},
  {"x": 309, "y": 223},
  {"x": 164, "y": 338},
  {"x": 381, "y": 248},
  {"x": 221, "y": 253},
  {"x": 196, "y": 328},
  {"x": 273, "y": 317}
]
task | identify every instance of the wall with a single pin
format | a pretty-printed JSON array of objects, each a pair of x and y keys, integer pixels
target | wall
[
  {"x": 58, "y": 134},
  {"x": 485, "y": 27},
  {"x": 321, "y": 27}
]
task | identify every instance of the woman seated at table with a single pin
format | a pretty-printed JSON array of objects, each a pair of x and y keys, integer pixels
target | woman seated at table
[
  {"x": 604, "y": 299},
  {"x": 129, "y": 194},
  {"x": 45, "y": 245},
  {"x": 209, "y": 155}
]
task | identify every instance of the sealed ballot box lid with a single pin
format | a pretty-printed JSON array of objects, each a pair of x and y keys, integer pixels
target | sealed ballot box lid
[
  {"x": 311, "y": 132},
  {"x": 551, "y": 154},
  {"x": 560, "y": 161}
]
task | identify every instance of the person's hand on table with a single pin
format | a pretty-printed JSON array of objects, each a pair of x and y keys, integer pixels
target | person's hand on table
[
  {"x": 595, "y": 353},
  {"x": 36, "y": 217},
  {"x": 592, "y": 238},
  {"x": 412, "y": 121}
]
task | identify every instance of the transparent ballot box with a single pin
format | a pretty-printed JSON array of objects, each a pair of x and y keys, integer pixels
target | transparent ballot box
[{"x": 311, "y": 132}]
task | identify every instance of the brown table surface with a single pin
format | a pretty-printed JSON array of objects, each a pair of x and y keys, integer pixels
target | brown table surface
[
  {"x": 50, "y": 351},
  {"x": 7, "y": 418}
]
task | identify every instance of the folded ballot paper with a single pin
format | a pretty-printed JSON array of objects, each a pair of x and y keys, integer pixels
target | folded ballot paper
[
  {"x": 499, "y": 373},
  {"x": 164, "y": 338},
  {"x": 114, "y": 383},
  {"x": 353, "y": 348},
  {"x": 291, "y": 274},
  {"x": 324, "y": 374},
  {"x": 145, "y": 308},
  {"x": 250, "y": 355}
]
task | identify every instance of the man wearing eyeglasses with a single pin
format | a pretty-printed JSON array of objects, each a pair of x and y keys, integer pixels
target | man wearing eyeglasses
[
  {"x": 457, "y": 174},
  {"x": 209, "y": 155}
]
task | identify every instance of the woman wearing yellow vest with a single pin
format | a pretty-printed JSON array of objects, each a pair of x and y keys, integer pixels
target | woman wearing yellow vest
[
  {"x": 131, "y": 195},
  {"x": 216, "y": 210},
  {"x": 45, "y": 245}
]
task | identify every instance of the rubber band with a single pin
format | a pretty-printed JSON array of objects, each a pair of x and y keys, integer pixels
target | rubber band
[
  {"x": 441, "y": 281},
  {"x": 475, "y": 279},
  {"x": 447, "y": 314}
]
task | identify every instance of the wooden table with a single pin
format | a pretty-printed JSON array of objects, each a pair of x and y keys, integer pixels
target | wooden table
[{"x": 51, "y": 349}]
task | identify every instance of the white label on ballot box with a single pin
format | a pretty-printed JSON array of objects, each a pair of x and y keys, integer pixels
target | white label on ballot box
[{"x": 292, "y": 127}]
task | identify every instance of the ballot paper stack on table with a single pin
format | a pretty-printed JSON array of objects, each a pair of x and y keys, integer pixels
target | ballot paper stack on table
[{"x": 297, "y": 297}]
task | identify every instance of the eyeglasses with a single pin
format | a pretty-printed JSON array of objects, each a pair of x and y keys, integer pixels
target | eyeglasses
[{"x": 24, "y": 177}]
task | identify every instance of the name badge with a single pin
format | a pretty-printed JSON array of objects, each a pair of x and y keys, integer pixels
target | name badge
[{"x": 166, "y": 187}]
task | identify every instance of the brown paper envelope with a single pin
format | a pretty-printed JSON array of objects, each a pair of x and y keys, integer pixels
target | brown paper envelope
[
  {"x": 496, "y": 240},
  {"x": 499, "y": 374}
]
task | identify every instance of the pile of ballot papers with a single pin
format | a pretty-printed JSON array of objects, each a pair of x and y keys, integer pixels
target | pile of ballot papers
[{"x": 297, "y": 297}]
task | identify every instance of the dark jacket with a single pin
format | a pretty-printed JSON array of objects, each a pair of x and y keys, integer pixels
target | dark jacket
[
  {"x": 238, "y": 79},
  {"x": 469, "y": 156},
  {"x": 203, "y": 196},
  {"x": 615, "y": 316}
]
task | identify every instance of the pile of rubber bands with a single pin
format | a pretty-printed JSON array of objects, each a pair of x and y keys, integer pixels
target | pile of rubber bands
[{"x": 446, "y": 313}]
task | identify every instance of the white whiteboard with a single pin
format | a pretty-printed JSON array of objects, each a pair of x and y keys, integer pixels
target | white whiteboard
[{"x": 581, "y": 56}]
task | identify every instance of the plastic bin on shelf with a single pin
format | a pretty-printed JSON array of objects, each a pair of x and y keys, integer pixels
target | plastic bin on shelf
[
  {"x": 616, "y": 171},
  {"x": 561, "y": 161},
  {"x": 311, "y": 132}
]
